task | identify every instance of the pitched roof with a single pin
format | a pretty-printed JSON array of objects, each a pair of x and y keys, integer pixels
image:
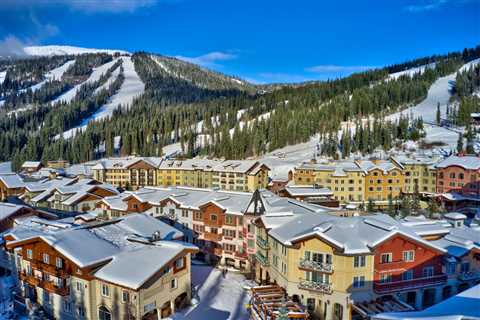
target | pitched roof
[
  {"x": 12, "y": 180},
  {"x": 8, "y": 209},
  {"x": 466, "y": 162}
]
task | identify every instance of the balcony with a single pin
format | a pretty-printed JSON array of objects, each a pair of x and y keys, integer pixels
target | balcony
[
  {"x": 389, "y": 287},
  {"x": 315, "y": 266},
  {"x": 262, "y": 259},
  {"x": 262, "y": 243},
  {"x": 315, "y": 286},
  {"x": 471, "y": 275},
  {"x": 215, "y": 237}
]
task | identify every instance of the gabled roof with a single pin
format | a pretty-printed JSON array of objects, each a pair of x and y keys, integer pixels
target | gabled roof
[
  {"x": 8, "y": 209},
  {"x": 12, "y": 180},
  {"x": 466, "y": 162}
]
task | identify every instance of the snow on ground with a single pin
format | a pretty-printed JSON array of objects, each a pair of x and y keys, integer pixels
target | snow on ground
[
  {"x": 410, "y": 72},
  {"x": 55, "y": 74},
  {"x": 131, "y": 88},
  {"x": 57, "y": 50},
  {"x": 94, "y": 76},
  {"x": 109, "y": 81},
  {"x": 216, "y": 297},
  {"x": 3, "y": 74}
]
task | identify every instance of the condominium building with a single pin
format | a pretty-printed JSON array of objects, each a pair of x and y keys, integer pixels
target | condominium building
[
  {"x": 346, "y": 179},
  {"x": 383, "y": 180},
  {"x": 460, "y": 174},
  {"x": 92, "y": 271},
  {"x": 419, "y": 173},
  {"x": 136, "y": 172},
  {"x": 338, "y": 266},
  {"x": 217, "y": 221}
]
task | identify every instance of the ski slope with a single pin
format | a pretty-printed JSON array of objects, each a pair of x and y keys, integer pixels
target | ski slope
[
  {"x": 131, "y": 88},
  {"x": 109, "y": 81},
  {"x": 58, "y": 50},
  {"x": 55, "y": 74},
  {"x": 410, "y": 72},
  {"x": 68, "y": 96}
]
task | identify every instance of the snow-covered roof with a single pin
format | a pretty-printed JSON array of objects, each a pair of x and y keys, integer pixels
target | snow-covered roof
[
  {"x": 8, "y": 209},
  {"x": 308, "y": 191},
  {"x": 349, "y": 234},
  {"x": 31, "y": 164},
  {"x": 455, "y": 216},
  {"x": 6, "y": 167},
  {"x": 383, "y": 165},
  {"x": 12, "y": 180},
  {"x": 125, "y": 162},
  {"x": 124, "y": 268},
  {"x": 464, "y": 305},
  {"x": 466, "y": 162}
]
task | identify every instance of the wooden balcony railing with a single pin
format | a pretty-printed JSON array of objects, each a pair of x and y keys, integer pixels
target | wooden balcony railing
[
  {"x": 262, "y": 243},
  {"x": 388, "y": 287},
  {"x": 262, "y": 259}
]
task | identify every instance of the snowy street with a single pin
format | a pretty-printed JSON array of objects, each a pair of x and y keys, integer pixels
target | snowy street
[{"x": 215, "y": 297}]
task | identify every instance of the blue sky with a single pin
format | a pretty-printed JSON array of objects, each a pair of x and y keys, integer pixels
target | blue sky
[{"x": 259, "y": 40}]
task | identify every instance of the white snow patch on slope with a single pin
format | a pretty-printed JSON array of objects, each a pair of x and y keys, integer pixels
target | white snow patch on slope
[
  {"x": 131, "y": 88},
  {"x": 57, "y": 50},
  {"x": 411, "y": 72},
  {"x": 3, "y": 74},
  {"x": 109, "y": 81},
  {"x": 94, "y": 76},
  {"x": 55, "y": 74}
]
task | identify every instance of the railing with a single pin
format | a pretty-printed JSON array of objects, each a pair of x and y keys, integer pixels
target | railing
[
  {"x": 212, "y": 236},
  {"x": 46, "y": 285},
  {"x": 315, "y": 286},
  {"x": 316, "y": 266},
  {"x": 262, "y": 259},
  {"x": 387, "y": 287},
  {"x": 262, "y": 243},
  {"x": 471, "y": 275}
]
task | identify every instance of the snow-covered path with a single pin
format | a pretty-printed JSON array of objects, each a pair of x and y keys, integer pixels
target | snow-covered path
[
  {"x": 216, "y": 297},
  {"x": 131, "y": 88},
  {"x": 410, "y": 72},
  {"x": 94, "y": 76}
]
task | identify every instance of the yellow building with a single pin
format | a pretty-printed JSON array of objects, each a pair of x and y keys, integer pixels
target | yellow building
[
  {"x": 344, "y": 178},
  {"x": 419, "y": 172},
  {"x": 383, "y": 179}
]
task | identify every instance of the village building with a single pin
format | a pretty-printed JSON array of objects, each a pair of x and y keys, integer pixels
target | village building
[{"x": 90, "y": 271}]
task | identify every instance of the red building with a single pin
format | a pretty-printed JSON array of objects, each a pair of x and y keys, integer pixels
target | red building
[
  {"x": 408, "y": 266},
  {"x": 459, "y": 174}
]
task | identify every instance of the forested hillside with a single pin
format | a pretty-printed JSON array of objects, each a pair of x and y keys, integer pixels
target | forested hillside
[{"x": 207, "y": 112}]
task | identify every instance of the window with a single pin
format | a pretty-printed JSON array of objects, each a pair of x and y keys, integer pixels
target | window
[
  {"x": 46, "y": 258},
  {"x": 173, "y": 284},
  {"x": 29, "y": 254},
  {"x": 386, "y": 257},
  {"x": 284, "y": 268},
  {"x": 408, "y": 256},
  {"x": 67, "y": 306},
  {"x": 81, "y": 312},
  {"x": 197, "y": 215},
  {"x": 359, "y": 261},
  {"x": 213, "y": 217},
  {"x": 229, "y": 233},
  {"x": 284, "y": 250},
  {"x": 184, "y": 213},
  {"x": 230, "y": 220},
  {"x": 179, "y": 263},
  {"x": 229, "y": 247},
  {"x": 428, "y": 272},
  {"x": 125, "y": 296},
  {"x": 105, "y": 290},
  {"x": 359, "y": 282},
  {"x": 407, "y": 275},
  {"x": 59, "y": 262},
  {"x": 79, "y": 286},
  {"x": 465, "y": 267},
  {"x": 385, "y": 278},
  {"x": 104, "y": 314},
  {"x": 451, "y": 266}
]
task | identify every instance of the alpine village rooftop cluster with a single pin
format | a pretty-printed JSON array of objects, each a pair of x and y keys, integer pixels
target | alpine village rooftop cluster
[{"x": 104, "y": 233}]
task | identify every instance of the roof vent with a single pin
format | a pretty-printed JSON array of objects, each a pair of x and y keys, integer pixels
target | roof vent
[
  {"x": 324, "y": 227},
  {"x": 156, "y": 236}
]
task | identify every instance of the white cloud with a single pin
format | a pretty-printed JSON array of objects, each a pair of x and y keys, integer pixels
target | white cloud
[
  {"x": 210, "y": 59},
  {"x": 427, "y": 5},
  {"x": 88, "y": 6},
  {"x": 11, "y": 46},
  {"x": 331, "y": 68}
]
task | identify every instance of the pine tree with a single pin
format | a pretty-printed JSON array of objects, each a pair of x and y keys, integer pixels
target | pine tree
[
  {"x": 460, "y": 143},
  {"x": 438, "y": 113}
]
